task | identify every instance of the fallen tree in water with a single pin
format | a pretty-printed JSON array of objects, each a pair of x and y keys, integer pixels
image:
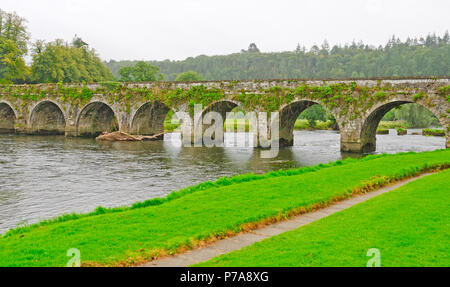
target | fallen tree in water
[{"x": 121, "y": 136}]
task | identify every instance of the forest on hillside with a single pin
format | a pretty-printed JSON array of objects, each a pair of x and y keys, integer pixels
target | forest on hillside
[{"x": 425, "y": 56}]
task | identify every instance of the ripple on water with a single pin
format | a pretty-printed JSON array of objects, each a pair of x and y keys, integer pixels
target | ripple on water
[{"x": 43, "y": 177}]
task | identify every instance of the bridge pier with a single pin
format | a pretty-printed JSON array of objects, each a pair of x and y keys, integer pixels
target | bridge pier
[
  {"x": 141, "y": 108},
  {"x": 71, "y": 131},
  {"x": 351, "y": 140}
]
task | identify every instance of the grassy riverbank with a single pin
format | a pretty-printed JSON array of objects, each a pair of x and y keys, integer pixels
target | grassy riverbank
[
  {"x": 409, "y": 226},
  {"x": 300, "y": 124},
  {"x": 206, "y": 212},
  {"x": 242, "y": 125}
]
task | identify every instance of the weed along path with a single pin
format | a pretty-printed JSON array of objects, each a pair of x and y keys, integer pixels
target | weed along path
[
  {"x": 248, "y": 238},
  {"x": 200, "y": 215}
]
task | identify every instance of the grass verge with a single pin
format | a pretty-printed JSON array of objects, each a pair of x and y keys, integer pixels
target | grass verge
[
  {"x": 410, "y": 226},
  {"x": 209, "y": 211}
]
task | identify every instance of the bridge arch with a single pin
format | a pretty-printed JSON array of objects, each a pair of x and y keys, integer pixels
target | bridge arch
[
  {"x": 376, "y": 113},
  {"x": 8, "y": 117},
  {"x": 149, "y": 118},
  {"x": 47, "y": 118},
  {"x": 222, "y": 107},
  {"x": 95, "y": 118},
  {"x": 289, "y": 114}
]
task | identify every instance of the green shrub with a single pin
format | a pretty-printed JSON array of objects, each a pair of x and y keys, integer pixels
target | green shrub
[
  {"x": 402, "y": 132},
  {"x": 433, "y": 132}
]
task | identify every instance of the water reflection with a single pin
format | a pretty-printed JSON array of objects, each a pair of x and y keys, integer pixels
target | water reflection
[{"x": 42, "y": 177}]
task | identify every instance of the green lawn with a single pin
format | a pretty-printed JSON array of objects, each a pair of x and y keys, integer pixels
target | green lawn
[
  {"x": 410, "y": 226},
  {"x": 126, "y": 236}
]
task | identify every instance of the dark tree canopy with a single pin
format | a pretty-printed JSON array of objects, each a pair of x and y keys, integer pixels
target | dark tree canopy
[
  {"x": 428, "y": 56},
  {"x": 252, "y": 48}
]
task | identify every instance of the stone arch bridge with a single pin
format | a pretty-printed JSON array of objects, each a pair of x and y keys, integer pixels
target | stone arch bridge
[{"x": 141, "y": 108}]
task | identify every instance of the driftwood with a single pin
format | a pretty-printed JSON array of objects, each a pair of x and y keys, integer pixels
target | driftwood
[
  {"x": 151, "y": 138},
  {"x": 121, "y": 136}
]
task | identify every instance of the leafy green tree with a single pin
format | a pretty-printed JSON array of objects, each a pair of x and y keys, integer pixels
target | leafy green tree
[
  {"x": 59, "y": 61},
  {"x": 12, "y": 65},
  {"x": 13, "y": 27},
  {"x": 13, "y": 47},
  {"x": 126, "y": 74},
  {"x": 141, "y": 72},
  {"x": 78, "y": 42},
  {"x": 189, "y": 76},
  {"x": 313, "y": 114}
]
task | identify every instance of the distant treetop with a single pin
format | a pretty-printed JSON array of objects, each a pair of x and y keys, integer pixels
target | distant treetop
[
  {"x": 251, "y": 49},
  {"x": 189, "y": 76}
]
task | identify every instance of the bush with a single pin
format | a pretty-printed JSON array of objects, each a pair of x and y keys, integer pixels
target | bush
[
  {"x": 433, "y": 132},
  {"x": 401, "y": 131}
]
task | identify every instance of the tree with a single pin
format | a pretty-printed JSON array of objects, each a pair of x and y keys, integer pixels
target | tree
[
  {"x": 78, "y": 42},
  {"x": 189, "y": 76},
  {"x": 13, "y": 47},
  {"x": 252, "y": 48},
  {"x": 416, "y": 116},
  {"x": 125, "y": 74},
  {"x": 313, "y": 114},
  {"x": 12, "y": 27},
  {"x": 59, "y": 61},
  {"x": 12, "y": 65},
  {"x": 141, "y": 72}
]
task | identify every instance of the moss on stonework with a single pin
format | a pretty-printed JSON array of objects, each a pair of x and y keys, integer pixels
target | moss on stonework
[{"x": 349, "y": 97}]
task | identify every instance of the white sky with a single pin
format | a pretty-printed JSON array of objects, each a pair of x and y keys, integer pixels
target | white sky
[{"x": 177, "y": 29}]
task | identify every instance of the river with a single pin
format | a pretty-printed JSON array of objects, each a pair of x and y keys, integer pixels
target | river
[{"x": 45, "y": 176}]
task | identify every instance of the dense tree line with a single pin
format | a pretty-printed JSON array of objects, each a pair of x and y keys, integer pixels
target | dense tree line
[
  {"x": 429, "y": 56},
  {"x": 53, "y": 62}
]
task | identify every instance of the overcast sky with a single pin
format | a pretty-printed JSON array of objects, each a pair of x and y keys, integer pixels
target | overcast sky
[{"x": 177, "y": 29}]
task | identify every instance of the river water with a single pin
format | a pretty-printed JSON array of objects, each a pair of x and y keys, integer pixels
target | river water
[{"x": 43, "y": 177}]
